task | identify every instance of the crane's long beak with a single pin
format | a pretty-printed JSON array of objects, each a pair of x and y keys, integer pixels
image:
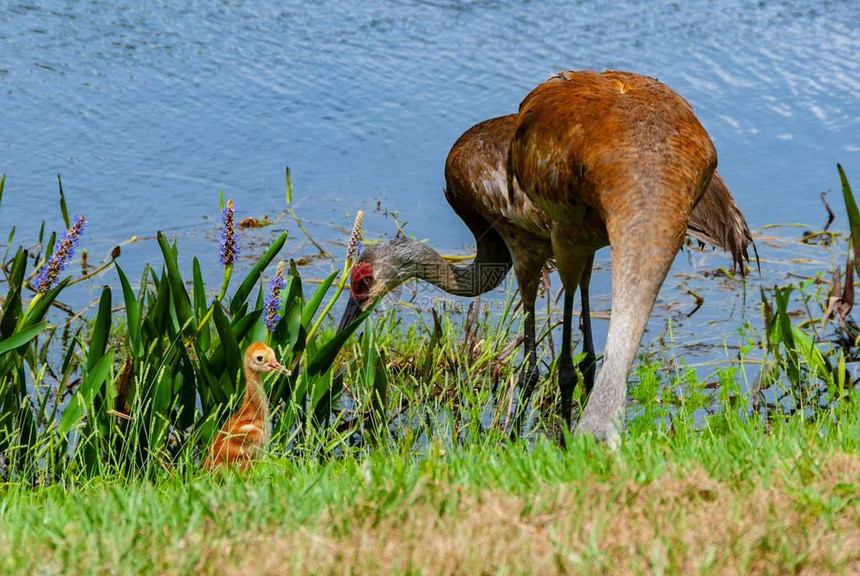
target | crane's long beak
[{"x": 353, "y": 309}]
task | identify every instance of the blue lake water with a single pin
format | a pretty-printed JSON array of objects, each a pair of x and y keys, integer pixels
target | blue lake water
[{"x": 148, "y": 109}]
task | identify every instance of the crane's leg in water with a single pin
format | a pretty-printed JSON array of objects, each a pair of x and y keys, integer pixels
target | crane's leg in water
[
  {"x": 529, "y": 374},
  {"x": 566, "y": 371},
  {"x": 571, "y": 260},
  {"x": 588, "y": 365}
]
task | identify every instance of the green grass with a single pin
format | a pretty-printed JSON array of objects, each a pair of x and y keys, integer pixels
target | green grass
[
  {"x": 404, "y": 465},
  {"x": 782, "y": 500}
]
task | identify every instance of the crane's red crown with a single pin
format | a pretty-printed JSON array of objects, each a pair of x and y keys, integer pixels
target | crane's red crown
[{"x": 360, "y": 280}]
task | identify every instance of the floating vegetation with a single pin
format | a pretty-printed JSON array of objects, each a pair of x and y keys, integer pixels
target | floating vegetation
[{"x": 249, "y": 222}]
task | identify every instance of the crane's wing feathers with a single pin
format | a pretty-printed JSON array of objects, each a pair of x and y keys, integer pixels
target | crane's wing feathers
[
  {"x": 476, "y": 175},
  {"x": 477, "y": 178}
]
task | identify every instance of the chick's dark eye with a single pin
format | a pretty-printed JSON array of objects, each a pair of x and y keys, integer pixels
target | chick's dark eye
[{"x": 260, "y": 358}]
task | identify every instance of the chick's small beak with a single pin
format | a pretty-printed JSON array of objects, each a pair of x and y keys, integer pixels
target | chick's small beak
[
  {"x": 276, "y": 366},
  {"x": 353, "y": 309}
]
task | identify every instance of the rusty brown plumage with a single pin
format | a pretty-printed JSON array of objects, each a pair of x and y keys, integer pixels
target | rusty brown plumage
[
  {"x": 241, "y": 440},
  {"x": 476, "y": 175},
  {"x": 613, "y": 158},
  {"x": 511, "y": 230}
]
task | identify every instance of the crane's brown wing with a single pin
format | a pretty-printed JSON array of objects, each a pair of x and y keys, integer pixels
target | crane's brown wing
[
  {"x": 477, "y": 189},
  {"x": 477, "y": 179}
]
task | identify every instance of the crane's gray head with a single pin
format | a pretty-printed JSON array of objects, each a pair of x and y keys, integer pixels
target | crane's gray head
[{"x": 383, "y": 267}]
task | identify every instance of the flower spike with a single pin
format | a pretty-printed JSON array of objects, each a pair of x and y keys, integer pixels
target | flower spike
[{"x": 47, "y": 277}]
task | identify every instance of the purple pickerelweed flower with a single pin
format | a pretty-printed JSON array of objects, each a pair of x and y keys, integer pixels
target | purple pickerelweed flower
[
  {"x": 229, "y": 236},
  {"x": 47, "y": 277},
  {"x": 272, "y": 306}
]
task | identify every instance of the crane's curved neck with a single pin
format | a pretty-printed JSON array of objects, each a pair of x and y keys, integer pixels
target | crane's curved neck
[{"x": 488, "y": 269}]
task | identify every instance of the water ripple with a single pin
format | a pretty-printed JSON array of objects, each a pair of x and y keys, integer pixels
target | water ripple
[{"x": 159, "y": 105}]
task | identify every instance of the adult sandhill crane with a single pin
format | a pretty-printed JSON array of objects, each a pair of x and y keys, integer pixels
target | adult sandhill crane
[
  {"x": 612, "y": 158},
  {"x": 510, "y": 231},
  {"x": 241, "y": 440}
]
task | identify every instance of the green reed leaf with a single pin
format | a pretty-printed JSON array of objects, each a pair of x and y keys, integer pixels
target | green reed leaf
[
  {"x": 229, "y": 345},
  {"x": 181, "y": 301},
  {"x": 853, "y": 215},
  {"x": 324, "y": 358},
  {"x": 21, "y": 338},
  {"x": 253, "y": 276},
  {"x": 310, "y": 309},
  {"x": 13, "y": 307},
  {"x": 244, "y": 326},
  {"x": 132, "y": 313},
  {"x": 101, "y": 330},
  {"x": 86, "y": 393},
  {"x": 37, "y": 313},
  {"x": 63, "y": 210}
]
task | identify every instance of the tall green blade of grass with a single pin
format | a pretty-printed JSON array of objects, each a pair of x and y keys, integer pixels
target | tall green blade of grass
[
  {"x": 375, "y": 381},
  {"x": 83, "y": 398},
  {"x": 49, "y": 247},
  {"x": 21, "y": 338},
  {"x": 322, "y": 360},
  {"x": 132, "y": 312},
  {"x": 181, "y": 301},
  {"x": 258, "y": 332},
  {"x": 101, "y": 330},
  {"x": 63, "y": 210},
  {"x": 204, "y": 334},
  {"x": 232, "y": 354},
  {"x": 253, "y": 275},
  {"x": 40, "y": 309},
  {"x": 13, "y": 305},
  {"x": 244, "y": 326},
  {"x": 853, "y": 215},
  {"x": 310, "y": 309}
]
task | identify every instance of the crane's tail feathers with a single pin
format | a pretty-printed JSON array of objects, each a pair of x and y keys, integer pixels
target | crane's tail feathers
[{"x": 717, "y": 221}]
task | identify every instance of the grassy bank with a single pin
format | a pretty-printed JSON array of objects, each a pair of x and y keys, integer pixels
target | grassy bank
[
  {"x": 746, "y": 500},
  {"x": 391, "y": 449}
]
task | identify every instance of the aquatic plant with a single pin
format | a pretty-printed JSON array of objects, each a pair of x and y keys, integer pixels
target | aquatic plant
[
  {"x": 354, "y": 245},
  {"x": 178, "y": 362},
  {"x": 147, "y": 391},
  {"x": 48, "y": 274},
  {"x": 351, "y": 251},
  {"x": 272, "y": 306},
  {"x": 229, "y": 235}
]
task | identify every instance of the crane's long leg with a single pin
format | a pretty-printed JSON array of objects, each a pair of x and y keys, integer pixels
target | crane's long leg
[
  {"x": 566, "y": 372},
  {"x": 528, "y": 279},
  {"x": 572, "y": 261},
  {"x": 588, "y": 365},
  {"x": 529, "y": 374}
]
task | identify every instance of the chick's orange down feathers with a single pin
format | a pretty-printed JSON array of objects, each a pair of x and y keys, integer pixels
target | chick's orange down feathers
[{"x": 241, "y": 440}]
